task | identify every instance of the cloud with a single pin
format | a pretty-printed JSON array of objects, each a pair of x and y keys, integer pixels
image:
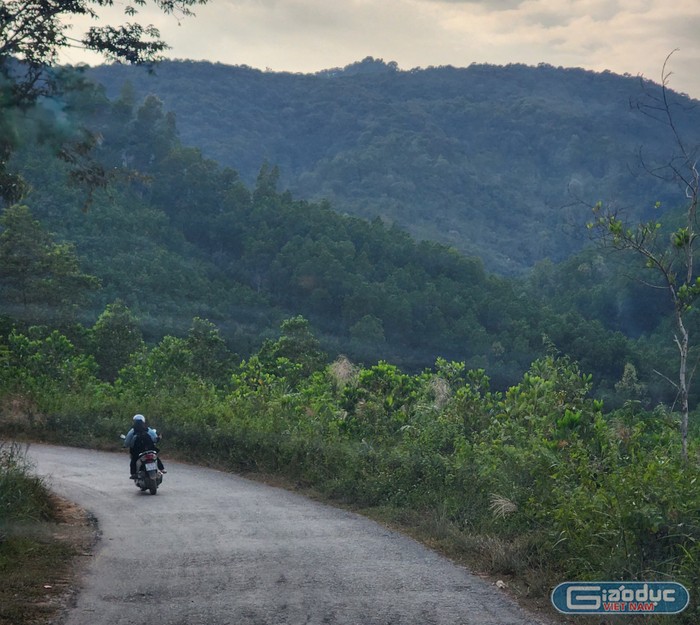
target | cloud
[
  {"x": 624, "y": 36},
  {"x": 632, "y": 36},
  {"x": 493, "y": 5},
  {"x": 310, "y": 35}
]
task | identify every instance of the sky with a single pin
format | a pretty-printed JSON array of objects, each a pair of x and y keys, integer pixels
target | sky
[{"x": 623, "y": 36}]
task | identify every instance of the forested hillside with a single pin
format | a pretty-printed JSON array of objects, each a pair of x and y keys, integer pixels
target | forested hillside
[
  {"x": 175, "y": 236},
  {"x": 498, "y": 162}
]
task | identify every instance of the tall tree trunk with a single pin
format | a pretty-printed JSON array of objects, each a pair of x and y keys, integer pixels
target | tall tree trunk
[{"x": 683, "y": 346}]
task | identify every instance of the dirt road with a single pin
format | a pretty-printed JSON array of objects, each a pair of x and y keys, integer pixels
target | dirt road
[{"x": 213, "y": 548}]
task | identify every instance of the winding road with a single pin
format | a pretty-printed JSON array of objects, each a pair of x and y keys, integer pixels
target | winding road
[{"x": 212, "y": 548}]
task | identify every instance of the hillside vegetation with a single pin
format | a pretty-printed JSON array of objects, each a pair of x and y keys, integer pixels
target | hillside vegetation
[
  {"x": 175, "y": 236},
  {"x": 520, "y": 422},
  {"x": 497, "y": 162}
]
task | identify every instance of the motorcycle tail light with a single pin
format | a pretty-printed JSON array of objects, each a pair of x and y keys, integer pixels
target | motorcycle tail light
[{"x": 149, "y": 457}]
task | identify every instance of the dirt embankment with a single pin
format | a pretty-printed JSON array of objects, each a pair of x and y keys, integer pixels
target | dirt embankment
[{"x": 42, "y": 563}]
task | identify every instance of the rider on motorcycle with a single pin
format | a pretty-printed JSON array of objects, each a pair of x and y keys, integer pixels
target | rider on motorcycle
[{"x": 141, "y": 438}]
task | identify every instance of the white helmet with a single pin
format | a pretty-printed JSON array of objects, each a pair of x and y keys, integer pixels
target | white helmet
[{"x": 139, "y": 417}]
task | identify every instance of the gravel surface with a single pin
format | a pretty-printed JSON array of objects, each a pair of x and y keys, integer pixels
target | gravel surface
[{"x": 212, "y": 548}]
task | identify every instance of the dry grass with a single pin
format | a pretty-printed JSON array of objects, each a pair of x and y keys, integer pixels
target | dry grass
[
  {"x": 441, "y": 392},
  {"x": 344, "y": 372},
  {"x": 501, "y": 506}
]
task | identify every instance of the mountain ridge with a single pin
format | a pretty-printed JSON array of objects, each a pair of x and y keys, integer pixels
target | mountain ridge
[{"x": 463, "y": 156}]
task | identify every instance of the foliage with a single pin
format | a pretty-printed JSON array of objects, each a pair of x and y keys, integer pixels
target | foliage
[
  {"x": 116, "y": 336},
  {"x": 672, "y": 261},
  {"x": 37, "y": 272},
  {"x": 33, "y": 33},
  {"x": 184, "y": 237},
  {"x": 296, "y": 345},
  {"x": 492, "y": 160},
  {"x": 42, "y": 359},
  {"x": 211, "y": 358}
]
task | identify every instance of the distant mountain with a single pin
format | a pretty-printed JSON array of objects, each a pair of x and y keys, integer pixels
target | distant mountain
[
  {"x": 498, "y": 162},
  {"x": 174, "y": 236}
]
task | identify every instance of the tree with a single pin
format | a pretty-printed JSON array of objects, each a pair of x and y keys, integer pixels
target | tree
[
  {"x": 116, "y": 336},
  {"x": 297, "y": 344},
  {"x": 39, "y": 359},
  {"x": 629, "y": 385},
  {"x": 33, "y": 32},
  {"x": 671, "y": 259},
  {"x": 40, "y": 277},
  {"x": 211, "y": 358},
  {"x": 369, "y": 329}
]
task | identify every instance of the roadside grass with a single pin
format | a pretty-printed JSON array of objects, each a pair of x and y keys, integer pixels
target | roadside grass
[
  {"x": 40, "y": 536},
  {"x": 22, "y": 495}
]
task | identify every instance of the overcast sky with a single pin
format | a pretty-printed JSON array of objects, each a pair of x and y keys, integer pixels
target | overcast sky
[{"x": 624, "y": 36}]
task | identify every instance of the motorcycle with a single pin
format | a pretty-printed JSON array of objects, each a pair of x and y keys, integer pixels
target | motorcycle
[{"x": 148, "y": 476}]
